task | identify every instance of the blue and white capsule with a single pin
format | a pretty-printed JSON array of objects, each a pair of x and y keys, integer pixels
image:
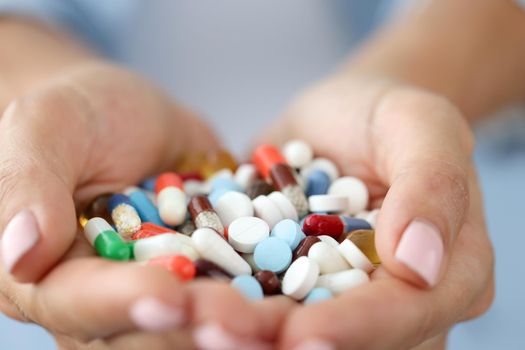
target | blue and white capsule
[{"x": 145, "y": 208}]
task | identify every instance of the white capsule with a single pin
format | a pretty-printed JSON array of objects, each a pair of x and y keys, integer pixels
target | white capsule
[
  {"x": 233, "y": 205},
  {"x": 297, "y": 153},
  {"x": 329, "y": 203},
  {"x": 330, "y": 240},
  {"x": 163, "y": 245},
  {"x": 245, "y": 175},
  {"x": 211, "y": 246},
  {"x": 323, "y": 164},
  {"x": 354, "y": 189},
  {"x": 354, "y": 256},
  {"x": 339, "y": 282},
  {"x": 300, "y": 278},
  {"x": 244, "y": 233},
  {"x": 172, "y": 205},
  {"x": 327, "y": 257},
  {"x": 286, "y": 207},
  {"x": 267, "y": 210}
]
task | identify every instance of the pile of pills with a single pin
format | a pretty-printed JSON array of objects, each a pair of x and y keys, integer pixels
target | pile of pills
[{"x": 285, "y": 223}]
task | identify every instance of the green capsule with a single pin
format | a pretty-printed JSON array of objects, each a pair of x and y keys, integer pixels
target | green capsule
[{"x": 105, "y": 240}]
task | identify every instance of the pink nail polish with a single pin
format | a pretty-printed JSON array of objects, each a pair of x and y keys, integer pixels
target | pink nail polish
[
  {"x": 152, "y": 315},
  {"x": 421, "y": 250},
  {"x": 213, "y": 336},
  {"x": 315, "y": 344},
  {"x": 20, "y": 235}
]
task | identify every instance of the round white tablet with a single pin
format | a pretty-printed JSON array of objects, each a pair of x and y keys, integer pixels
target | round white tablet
[
  {"x": 323, "y": 164},
  {"x": 354, "y": 189},
  {"x": 328, "y": 258},
  {"x": 354, "y": 256},
  {"x": 339, "y": 282},
  {"x": 300, "y": 278},
  {"x": 286, "y": 207},
  {"x": 233, "y": 205},
  {"x": 245, "y": 175},
  {"x": 266, "y": 209},
  {"x": 328, "y": 203},
  {"x": 297, "y": 153},
  {"x": 244, "y": 233}
]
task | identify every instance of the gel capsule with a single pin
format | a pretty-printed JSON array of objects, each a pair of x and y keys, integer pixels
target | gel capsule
[
  {"x": 105, "y": 240},
  {"x": 178, "y": 265},
  {"x": 271, "y": 164},
  {"x": 124, "y": 215},
  {"x": 203, "y": 214},
  {"x": 332, "y": 225},
  {"x": 171, "y": 199}
]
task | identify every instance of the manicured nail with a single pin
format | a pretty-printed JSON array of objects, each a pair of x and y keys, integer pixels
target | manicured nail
[
  {"x": 315, "y": 344},
  {"x": 152, "y": 315},
  {"x": 421, "y": 250},
  {"x": 213, "y": 336},
  {"x": 20, "y": 235}
]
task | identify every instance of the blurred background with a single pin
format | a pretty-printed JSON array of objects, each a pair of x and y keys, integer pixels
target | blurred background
[{"x": 239, "y": 63}]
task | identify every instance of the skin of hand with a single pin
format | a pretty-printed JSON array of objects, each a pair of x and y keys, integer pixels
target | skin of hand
[
  {"x": 84, "y": 130},
  {"x": 413, "y": 150}
]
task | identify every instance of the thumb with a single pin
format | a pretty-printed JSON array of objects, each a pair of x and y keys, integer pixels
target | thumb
[
  {"x": 37, "y": 212},
  {"x": 423, "y": 150}
]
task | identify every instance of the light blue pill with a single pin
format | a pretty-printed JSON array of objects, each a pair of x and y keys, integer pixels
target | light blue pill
[
  {"x": 149, "y": 183},
  {"x": 146, "y": 209},
  {"x": 289, "y": 231},
  {"x": 318, "y": 294},
  {"x": 214, "y": 196},
  {"x": 225, "y": 183},
  {"x": 248, "y": 286},
  {"x": 317, "y": 183},
  {"x": 272, "y": 254}
]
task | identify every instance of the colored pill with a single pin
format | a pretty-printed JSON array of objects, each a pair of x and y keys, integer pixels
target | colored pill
[
  {"x": 300, "y": 278},
  {"x": 324, "y": 164},
  {"x": 304, "y": 246},
  {"x": 145, "y": 208},
  {"x": 149, "y": 183},
  {"x": 213, "y": 247},
  {"x": 271, "y": 164},
  {"x": 124, "y": 215},
  {"x": 248, "y": 286},
  {"x": 289, "y": 231},
  {"x": 178, "y": 265},
  {"x": 259, "y": 187},
  {"x": 317, "y": 182},
  {"x": 105, "y": 240},
  {"x": 317, "y": 295},
  {"x": 339, "y": 282},
  {"x": 273, "y": 254},
  {"x": 206, "y": 268},
  {"x": 332, "y": 225},
  {"x": 203, "y": 214},
  {"x": 269, "y": 282},
  {"x": 147, "y": 229},
  {"x": 365, "y": 241},
  {"x": 164, "y": 245},
  {"x": 171, "y": 199}
]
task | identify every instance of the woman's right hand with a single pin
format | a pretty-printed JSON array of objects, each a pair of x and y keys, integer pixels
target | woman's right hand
[{"x": 93, "y": 130}]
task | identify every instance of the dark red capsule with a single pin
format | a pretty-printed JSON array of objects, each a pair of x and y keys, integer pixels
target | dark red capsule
[
  {"x": 206, "y": 268},
  {"x": 317, "y": 225},
  {"x": 305, "y": 245},
  {"x": 269, "y": 281}
]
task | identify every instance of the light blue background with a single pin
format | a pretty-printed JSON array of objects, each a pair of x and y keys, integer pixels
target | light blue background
[{"x": 240, "y": 62}]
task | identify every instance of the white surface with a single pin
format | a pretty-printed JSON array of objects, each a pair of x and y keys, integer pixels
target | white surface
[
  {"x": 328, "y": 203},
  {"x": 244, "y": 233}
]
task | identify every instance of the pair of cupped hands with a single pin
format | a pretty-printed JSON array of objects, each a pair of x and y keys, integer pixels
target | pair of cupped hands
[{"x": 98, "y": 128}]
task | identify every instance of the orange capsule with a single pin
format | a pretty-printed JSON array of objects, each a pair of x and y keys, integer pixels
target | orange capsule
[
  {"x": 179, "y": 265},
  {"x": 265, "y": 157},
  {"x": 147, "y": 229},
  {"x": 166, "y": 180}
]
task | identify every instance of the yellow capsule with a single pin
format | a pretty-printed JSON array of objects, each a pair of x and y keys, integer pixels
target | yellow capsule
[
  {"x": 217, "y": 160},
  {"x": 365, "y": 241},
  {"x": 97, "y": 208},
  {"x": 191, "y": 163}
]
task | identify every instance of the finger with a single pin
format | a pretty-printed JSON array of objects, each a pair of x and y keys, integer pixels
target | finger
[
  {"x": 89, "y": 298},
  {"x": 226, "y": 320},
  {"x": 38, "y": 168},
  {"x": 422, "y": 149}
]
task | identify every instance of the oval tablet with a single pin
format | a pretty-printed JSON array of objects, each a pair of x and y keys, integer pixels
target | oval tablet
[
  {"x": 265, "y": 209},
  {"x": 284, "y": 205},
  {"x": 244, "y": 233},
  {"x": 354, "y": 256},
  {"x": 328, "y": 258},
  {"x": 272, "y": 254},
  {"x": 329, "y": 203},
  {"x": 233, "y": 205},
  {"x": 300, "y": 278},
  {"x": 339, "y": 282}
]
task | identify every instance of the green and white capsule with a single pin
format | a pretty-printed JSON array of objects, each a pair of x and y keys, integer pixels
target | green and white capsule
[{"x": 106, "y": 241}]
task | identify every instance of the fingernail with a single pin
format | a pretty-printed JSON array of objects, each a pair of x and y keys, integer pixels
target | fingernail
[
  {"x": 20, "y": 235},
  {"x": 421, "y": 250},
  {"x": 214, "y": 337},
  {"x": 315, "y": 344},
  {"x": 152, "y": 315}
]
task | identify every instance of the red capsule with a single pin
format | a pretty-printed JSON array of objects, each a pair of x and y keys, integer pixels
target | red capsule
[
  {"x": 147, "y": 229},
  {"x": 168, "y": 180},
  {"x": 191, "y": 176},
  {"x": 265, "y": 157},
  {"x": 269, "y": 281},
  {"x": 317, "y": 225},
  {"x": 304, "y": 247},
  {"x": 179, "y": 265}
]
